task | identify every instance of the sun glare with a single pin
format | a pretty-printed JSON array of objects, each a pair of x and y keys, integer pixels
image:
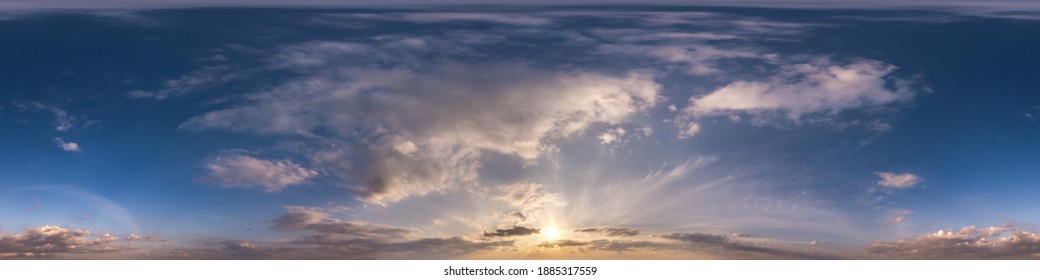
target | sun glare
[{"x": 551, "y": 233}]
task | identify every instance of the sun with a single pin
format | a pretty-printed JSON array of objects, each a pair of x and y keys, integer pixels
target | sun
[{"x": 551, "y": 233}]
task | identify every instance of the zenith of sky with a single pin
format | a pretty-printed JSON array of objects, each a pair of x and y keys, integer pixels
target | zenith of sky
[{"x": 758, "y": 130}]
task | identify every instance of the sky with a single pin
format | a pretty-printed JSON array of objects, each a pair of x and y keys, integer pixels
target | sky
[{"x": 249, "y": 130}]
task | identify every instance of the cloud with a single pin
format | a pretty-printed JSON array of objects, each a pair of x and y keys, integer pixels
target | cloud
[
  {"x": 688, "y": 130},
  {"x": 527, "y": 196},
  {"x": 611, "y": 231},
  {"x": 149, "y": 238},
  {"x": 1003, "y": 242},
  {"x": 194, "y": 81},
  {"x": 322, "y": 223},
  {"x": 53, "y": 241},
  {"x": 325, "y": 246},
  {"x": 610, "y": 245},
  {"x": 238, "y": 170},
  {"x": 698, "y": 59},
  {"x": 500, "y": 18},
  {"x": 63, "y": 121},
  {"x": 899, "y": 216},
  {"x": 67, "y": 146},
  {"x": 444, "y": 115},
  {"x": 728, "y": 248},
  {"x": 332, "y": 238},
  {"x": 820, "y": 87},
  {"x": 897, "y": 180},
  {"x": 509, "y": 232}
]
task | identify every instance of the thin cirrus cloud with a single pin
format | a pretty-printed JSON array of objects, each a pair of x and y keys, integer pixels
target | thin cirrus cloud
[
  {"x": 66, "y": 146},
  {"x": 194, "y": 81},
  {"x": 243, "y": 171}
]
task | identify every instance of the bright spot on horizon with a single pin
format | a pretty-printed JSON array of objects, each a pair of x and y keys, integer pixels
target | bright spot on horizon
[{"x": 551, "y": 233}]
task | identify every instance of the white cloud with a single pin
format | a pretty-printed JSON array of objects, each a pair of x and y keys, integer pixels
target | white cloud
[
  {"x": 688, "y": 130},
  {"x": 1003, "y": 242},
  {"x": 67, "y": 146},
  {"x": 194, "y": 81},
  {"x": 814, "y": 91},
  {"x": 897, "y": 180},
  {"x": 237, "y": 170},
  {"x": 528, "y": 196}
]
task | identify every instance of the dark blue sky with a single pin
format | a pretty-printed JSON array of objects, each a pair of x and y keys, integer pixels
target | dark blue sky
[{"x": 414, "y": 132}]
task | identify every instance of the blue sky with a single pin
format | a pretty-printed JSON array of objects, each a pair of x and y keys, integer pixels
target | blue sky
[{"x": 469, "y": 131}]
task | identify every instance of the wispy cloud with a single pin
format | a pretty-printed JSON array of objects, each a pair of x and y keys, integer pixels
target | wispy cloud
[
  {"x": 194, "y": 81},
  {"x": 514, "y": 231}
]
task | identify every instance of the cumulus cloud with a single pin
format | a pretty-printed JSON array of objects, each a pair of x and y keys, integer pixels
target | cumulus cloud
[
  {"x": 514, "y": 231},
  {"x": 67, "y": 146},
  {"x": 817, "y": 87},
  {"x": 897, "y": 180},
  {"x": 239, "y": 170},
  {"x": 1003, "y": 242},
  {"x": 611, "y": 231},
  {"x": 423, "y": 131},
  {"x": 53, "y": 241},
  {"x": 729, "y": 248}
]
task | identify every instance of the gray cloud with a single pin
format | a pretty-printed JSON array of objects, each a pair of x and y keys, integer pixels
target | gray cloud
[
  {"x": 194, "y": 81},
  {"x": 804, "y": 92},
  {"x": 610, "y": 245},
  {"x": 66, "y": 146}
]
